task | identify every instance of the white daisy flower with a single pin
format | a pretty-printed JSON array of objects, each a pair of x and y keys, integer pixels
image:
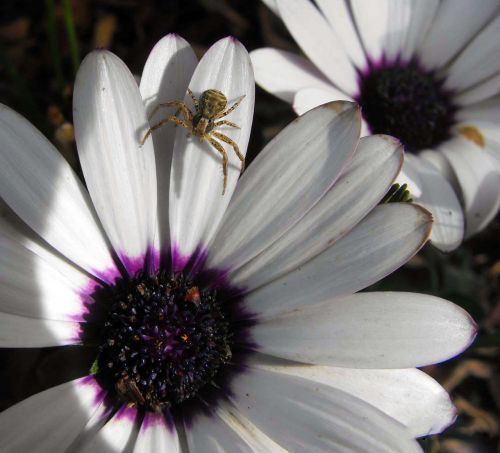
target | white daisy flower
[
  {"x": 217, "y": 326},
  {"x": 424, "y": 71}
]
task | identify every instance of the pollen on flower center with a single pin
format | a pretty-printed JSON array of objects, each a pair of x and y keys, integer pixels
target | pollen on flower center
[
  {"x": 163, "y": 340},
  {"x": 406, "y": 102}
]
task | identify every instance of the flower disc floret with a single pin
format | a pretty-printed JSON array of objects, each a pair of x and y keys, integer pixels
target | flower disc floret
[
  {"x": 163, "y": 339},
  {"x": 407, "y": 102}
]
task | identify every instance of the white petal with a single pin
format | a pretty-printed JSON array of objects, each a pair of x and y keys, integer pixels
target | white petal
[
  {"x": 479, "y": 92},
  {"x": 440, "y": 199},
  {"x": 22, "y": 332},
  {"x": 383, "y": 26},
  {"x": 384, "y": 240},
  {"x": 480, "y": 60},
  {"x": 166, "y": 76},
  {"x": 308, "y": 98},
  {"x": 271, "y": 4},
  {"x": 40, "y": 186},
  {"x": 301, "y": 415},
  {"x": 270, "y": 65},
  {"x": 196, "y": 200},
  {"x": 207, "y": 433},
  {"x": 456, "y": 22},
  {"x": 253, "y": 436},
  {"x": 377, "y": 159},
  {"x": 488, "y": 132},
  {"x": 440, "y": 163},
  {"x": 37, "y": 286},
  {"x": 339, "y": 18},
  {"x": 49, "y": 421},
  {"x": 114, "y": 436},
  {"x": 157, "y": 434},
  {"x": 487, "y": 110},
  {"x": 369, "y": 330},
  {"x": 110, "y": 122},
  {"x": 422, "y": 15},
  {"x": 319, "y": 42},
  {"x": 285, "y": 181},
  {"x": 478, "y": 179},
  {"x": 409, "y": 395}
]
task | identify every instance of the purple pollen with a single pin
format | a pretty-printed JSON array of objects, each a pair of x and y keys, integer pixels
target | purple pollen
[
  {"x": 163, "y": 339},
  {"x": 407, "y": 102}
]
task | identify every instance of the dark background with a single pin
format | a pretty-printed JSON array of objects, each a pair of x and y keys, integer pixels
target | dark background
[{"x": 41, "y": 44}]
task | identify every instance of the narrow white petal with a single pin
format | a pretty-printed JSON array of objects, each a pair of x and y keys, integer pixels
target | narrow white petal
[
  {"x": 339, "y": 18},
  {"x": 422, "y": 15},
  {"x": 207, "y": 432},
  {"x": 42, "y": 189},
  {"x": 271, "y": 4},
  {"x": 166, "y": 76},
  {"x": 383, "y": 26},
  {"x": 378, "y": 159},
  {"x": 383, "y": 241},
  {"x": 487, "y": 110},
  {"x": 480, "y": 59},
  {"x": 39, "y": 285},
  {"x": 439, "y": 198},
  {"x": 271, "y": 66},
  {"x": 307, "y": 98},
  {"x": 456, "y": 22},
  {"x": 480, "y": 92},
  {"x": 408, "y": 395},
  {"x": 289, "y": 176},
  {"x": 196, "y": 200},
  {"x": 369, "y": 330},
  {"x": 319, "y": 42},
  {"x": 479, "y": 182},
  {"x": 22, "y": 332},
  {"x": 158, "y": 435},
  {"x": 488, "y": 133},
  {"x": 114, "y": 436},
  {"x": 110, "y": 122},
  {"x": 441, "y": 164},
  {"x": 49, "y": 421},
  {"x": 301, "y": 415},
  {"x": 253, "y": 436}
]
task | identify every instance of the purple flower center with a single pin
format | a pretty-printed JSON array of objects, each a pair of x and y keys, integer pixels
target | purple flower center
[
  {"x": 407, "y": 102},
  {"x": 163, "y": 339}
]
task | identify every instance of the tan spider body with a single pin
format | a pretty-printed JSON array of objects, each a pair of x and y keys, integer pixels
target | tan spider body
[{"x": 210, "y": 107}]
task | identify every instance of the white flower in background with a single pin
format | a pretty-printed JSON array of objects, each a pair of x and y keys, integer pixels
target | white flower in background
[
  {"x": 424, "y": 71},
  {"x": 236, "y": 326}
]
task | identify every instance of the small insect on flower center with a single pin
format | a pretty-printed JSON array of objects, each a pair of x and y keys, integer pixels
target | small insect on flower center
[
  {"x": 163, "y": 340},
  {"x": 407, "y": 102}
]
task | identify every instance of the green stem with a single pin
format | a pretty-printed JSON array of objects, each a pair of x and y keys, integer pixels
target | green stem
[{"x": 71, "y": 32}]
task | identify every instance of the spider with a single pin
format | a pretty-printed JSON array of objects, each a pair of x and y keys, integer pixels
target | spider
[{"x": 209, "y": 107}]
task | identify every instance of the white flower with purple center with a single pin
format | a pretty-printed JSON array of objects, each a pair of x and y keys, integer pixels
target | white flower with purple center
[
  {"x": 219, "y": 322},
  {"x": 424, "y": 71}
]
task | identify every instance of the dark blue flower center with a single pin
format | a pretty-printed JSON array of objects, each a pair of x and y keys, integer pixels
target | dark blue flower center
[
  {"x": 163, "y": 339},
  {"x": 407, "y": 102}
]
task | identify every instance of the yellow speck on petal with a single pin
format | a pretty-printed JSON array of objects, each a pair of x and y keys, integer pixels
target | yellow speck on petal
[{"x": 473, "y": 134}]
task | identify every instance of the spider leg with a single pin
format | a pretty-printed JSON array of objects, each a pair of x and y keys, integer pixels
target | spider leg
[
  {"x": 221, "y": 150},
  {"x": 182, "y": 107},
  {"x": 227, "y": 140},
  {"x": 195, "y": 101},
  {"x": 168, "y": 119},
  {"x": 228, "y": 111},
  {"x": 227, "y": 123}
]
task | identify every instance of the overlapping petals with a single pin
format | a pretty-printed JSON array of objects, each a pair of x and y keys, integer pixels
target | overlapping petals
[
  {"x": 299, "y": 236},
  {"x": 457, "y": 38}
]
